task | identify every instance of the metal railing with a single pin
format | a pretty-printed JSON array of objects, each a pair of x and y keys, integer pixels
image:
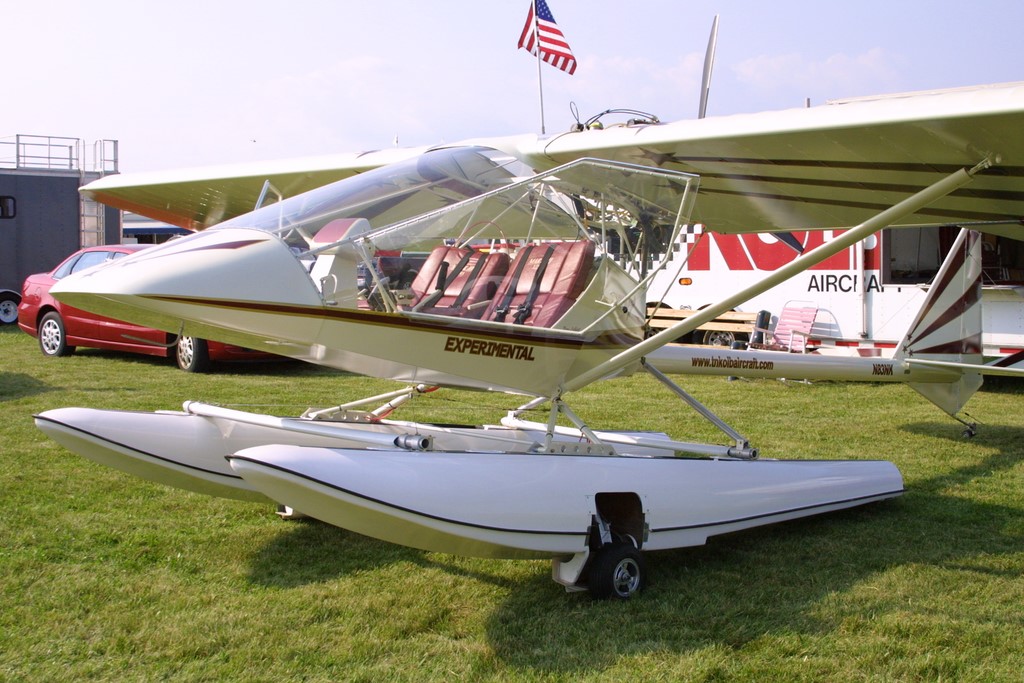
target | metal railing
[{"x": 54, "y": 153}]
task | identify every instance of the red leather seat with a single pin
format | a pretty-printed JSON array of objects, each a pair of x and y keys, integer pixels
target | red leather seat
[
  {"x": 470, "y": 278},
  {"x": 544, "y": 281}
]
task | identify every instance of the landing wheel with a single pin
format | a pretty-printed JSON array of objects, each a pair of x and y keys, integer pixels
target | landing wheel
[
  {"x": 617, "y": 571},
  {"x": 970, "y": 428}
]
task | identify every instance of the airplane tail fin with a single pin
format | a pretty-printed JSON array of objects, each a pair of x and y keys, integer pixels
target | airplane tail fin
[{"x": 947, "y": 330}]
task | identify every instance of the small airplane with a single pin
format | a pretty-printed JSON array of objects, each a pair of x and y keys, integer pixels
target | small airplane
[{"x": 529, "y": 286}]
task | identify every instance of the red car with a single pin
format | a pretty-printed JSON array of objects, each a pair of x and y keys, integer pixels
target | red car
[{"x": 61, "y": 328}]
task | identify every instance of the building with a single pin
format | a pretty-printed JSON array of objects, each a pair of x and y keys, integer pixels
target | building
[{"x": 42, "y": 216}]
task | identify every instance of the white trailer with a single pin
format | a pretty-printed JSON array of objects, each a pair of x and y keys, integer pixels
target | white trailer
[{"x": 866, "y": 295}]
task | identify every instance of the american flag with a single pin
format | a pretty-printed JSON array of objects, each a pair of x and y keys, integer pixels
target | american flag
[{"x": 553, "y": 48}]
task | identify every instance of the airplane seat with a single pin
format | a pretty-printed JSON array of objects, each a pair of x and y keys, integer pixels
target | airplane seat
[
  {"x": 472, "y": 290},
  {"x": 544, "y": 281},
  {"x": 425, "y": 282},
  {"x": 469, "y": 283}
]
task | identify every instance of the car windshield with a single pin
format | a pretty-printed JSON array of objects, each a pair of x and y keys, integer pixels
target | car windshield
[{"x": 86, "y": 259}]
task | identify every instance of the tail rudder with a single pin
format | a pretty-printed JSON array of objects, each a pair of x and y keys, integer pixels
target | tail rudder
[{"x": 947, "y": 330}]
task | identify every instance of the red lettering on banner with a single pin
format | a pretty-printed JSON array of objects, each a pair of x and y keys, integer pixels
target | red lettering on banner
[
  {"x": 729, "y": 246},
  {"x": 766, "y": 253}
]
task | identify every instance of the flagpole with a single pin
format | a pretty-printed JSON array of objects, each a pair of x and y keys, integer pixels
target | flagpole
[{"x": 540, "y": 84}]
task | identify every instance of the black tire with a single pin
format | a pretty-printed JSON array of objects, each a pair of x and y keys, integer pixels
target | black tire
[
  {"x": 192, "y": 354},
  {"x": 9, "y": 308},
  {"x": 617, "y": 571},
  {"x": 53, "y": 341}
]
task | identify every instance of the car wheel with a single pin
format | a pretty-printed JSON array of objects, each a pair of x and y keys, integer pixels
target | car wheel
[
  {"x": 720, "y": 338},
  {"x": 52, "y": 339},
  {"x": 193, "y": 354},
  {"x": 9, "y": 308}
]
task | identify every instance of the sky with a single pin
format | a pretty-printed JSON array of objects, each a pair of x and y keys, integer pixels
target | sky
[{"x": 196, "y": 83}]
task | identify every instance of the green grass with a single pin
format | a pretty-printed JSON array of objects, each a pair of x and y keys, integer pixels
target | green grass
[{"x": 106, "y": 577}]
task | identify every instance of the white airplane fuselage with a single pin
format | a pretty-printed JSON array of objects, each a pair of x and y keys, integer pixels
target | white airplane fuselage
[{"x": 247, "y": 287}]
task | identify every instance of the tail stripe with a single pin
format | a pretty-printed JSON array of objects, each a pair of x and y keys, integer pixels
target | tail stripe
[
  {"x": 948, "y": 327},
  {"x": 950, "y": 319},
  {"x": 954, "y": 262},
  {"x": 1009, "y": 361}
]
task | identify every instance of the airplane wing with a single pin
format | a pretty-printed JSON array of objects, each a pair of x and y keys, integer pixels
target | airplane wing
[
  {"x": 837, "y": 164},
  {"x": 200, "y": 197},
  {"x": 829, "y": 166}
]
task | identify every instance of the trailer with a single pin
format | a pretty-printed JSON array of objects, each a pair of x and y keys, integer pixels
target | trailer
[
  {"x": 42, "y": 216},
  {"x": 865, "y": 296}
]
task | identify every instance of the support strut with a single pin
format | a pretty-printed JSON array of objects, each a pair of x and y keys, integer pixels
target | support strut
[
  {"x": 742, "y": 450},
  {"x": 884, "y": 219}
]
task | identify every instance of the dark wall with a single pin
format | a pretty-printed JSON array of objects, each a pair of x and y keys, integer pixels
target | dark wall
[
  {"x": 46, "y": 227},
  {"x": 111, "y": 225}
]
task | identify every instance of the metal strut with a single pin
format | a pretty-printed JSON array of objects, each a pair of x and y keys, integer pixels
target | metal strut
[
  {"x": 886, "y": 218},
  {"x": 393, "y": 400},
  {"x": 597, "y": 445},
  {"x": 639, "y": 351},
  {"x": 583, "y": 440},
  {"x": 742, "y": 450}
]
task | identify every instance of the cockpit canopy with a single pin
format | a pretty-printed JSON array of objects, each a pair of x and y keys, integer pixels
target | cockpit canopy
[
  {"x": 470, "y": 195},
  {"x": 460, "y": 221}
]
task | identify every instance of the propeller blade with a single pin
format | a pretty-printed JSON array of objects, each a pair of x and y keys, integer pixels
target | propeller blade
[{"x": 709, "y": 63}]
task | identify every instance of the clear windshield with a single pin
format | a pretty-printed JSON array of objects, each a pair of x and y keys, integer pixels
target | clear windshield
[
  {"x": 388, "y": 195},
  {"x": 445, "y": 234},
  {"x": 412, "y": 205}
]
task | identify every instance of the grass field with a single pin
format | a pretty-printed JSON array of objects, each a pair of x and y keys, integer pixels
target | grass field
[{"x": 106, "y": 577}]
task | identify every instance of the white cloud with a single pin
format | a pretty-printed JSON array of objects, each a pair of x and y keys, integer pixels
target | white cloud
[{"x": 837, "y": 75}]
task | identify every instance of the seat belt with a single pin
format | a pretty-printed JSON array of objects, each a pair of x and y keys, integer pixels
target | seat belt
[
  {"x": 468, "y": 287},
  {"x": 443, "y": 278},
  {"x": 502, "y": 311},
  {"x": 525, "y": 308}
]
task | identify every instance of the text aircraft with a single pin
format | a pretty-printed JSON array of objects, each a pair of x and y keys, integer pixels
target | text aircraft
[{"x": 527, "y": 286}]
